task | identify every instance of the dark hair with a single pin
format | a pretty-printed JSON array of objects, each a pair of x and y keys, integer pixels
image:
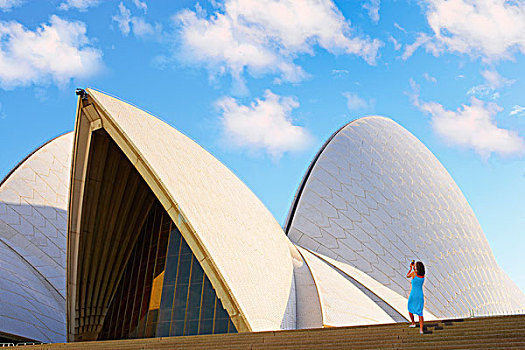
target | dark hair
[{"x": 420, "y": 268}]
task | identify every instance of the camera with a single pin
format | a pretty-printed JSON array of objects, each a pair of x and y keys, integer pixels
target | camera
[{"x": 82, "y": 93}]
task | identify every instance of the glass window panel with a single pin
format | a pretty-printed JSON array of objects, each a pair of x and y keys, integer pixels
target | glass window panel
[
  {"x": 174, "y": 242},
  {"x": 221, "y": 325},
  {"x": 206, "y": 326},
  {"x": 172, "y": 262},
  {"x": 194, "y": 300},
  {"x": 177, "y": 328},
  {"x": 221, "y": 318},
  {"x": 231, "y": 327},
  {"x": 163, "y": 291},
  {"x": 196, "y": 272},
  {"x": 220, "y": 312},
  {"x": 179, "y": 304},
  {"x": 171, "y": 273},
  {"x": 195, "y": 296},
  {"x": 192, "y": 327},
  {"x": 208, "y": 301},
  {"x": 163, "y": 329},
  {"x": 166, "y": 304},
  {"x": 185, "y": 249},
  {"x": 184, "y": 270}
]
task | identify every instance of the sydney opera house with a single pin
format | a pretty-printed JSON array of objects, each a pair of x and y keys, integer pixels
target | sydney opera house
[{"x": 126, "y": 228}]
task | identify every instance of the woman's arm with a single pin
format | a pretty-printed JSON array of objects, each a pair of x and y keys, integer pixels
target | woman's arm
[{"x": 412, "y": 272}]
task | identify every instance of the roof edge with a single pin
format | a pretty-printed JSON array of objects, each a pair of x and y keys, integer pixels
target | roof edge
[
  {"x": 30, "y": 155},
  {"x": 297, "y": 197}
]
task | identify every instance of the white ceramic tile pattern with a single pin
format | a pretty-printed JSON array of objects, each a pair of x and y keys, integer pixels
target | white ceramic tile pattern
[
  {"x": 388, "y": 200},
  {"x": 342, "y": 303},
  {"x": 34, "y": 210},
  {"x": 33, "y": 243},
  {"x": 307, "y": 298}
]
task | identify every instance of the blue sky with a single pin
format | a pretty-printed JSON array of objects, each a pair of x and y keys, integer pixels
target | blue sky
[{"x": 262, "y": 83}]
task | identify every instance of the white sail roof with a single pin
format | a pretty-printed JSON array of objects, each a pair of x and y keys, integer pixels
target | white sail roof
[
  {"x": 375, "y": 198},
  {"x": 33, "y": 229},
  {"x": 240, "y": 245}
]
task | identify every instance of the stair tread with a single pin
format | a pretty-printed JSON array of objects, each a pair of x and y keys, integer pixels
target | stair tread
[{"x": 495, "y": 332}]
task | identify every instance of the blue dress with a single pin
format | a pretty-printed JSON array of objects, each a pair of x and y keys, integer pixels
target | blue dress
[{"x": 416, "y": 300}]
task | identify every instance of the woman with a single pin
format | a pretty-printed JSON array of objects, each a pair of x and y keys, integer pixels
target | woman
[{"x": 416, "y": 300}]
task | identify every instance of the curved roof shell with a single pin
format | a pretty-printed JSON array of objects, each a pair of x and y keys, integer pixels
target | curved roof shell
[
  {"x": 30, "y": 309},
  {"x": 33, "y": 228},
  {"x": 241, "y": 247},
  {"x": 375, "y": 198},
  {"x": 342, "y": 303}
]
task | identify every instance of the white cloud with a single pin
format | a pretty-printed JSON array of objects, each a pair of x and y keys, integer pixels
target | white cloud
[
  {"x": 430, "y": 78},
  {"x": 340, "y": 73},
  {"x": 493, "y": 81},
  {"x": 480, "y": 91},
  {"x": 127, "y": 23},
  {"x": 57, "y": 52},
  {"x": 123, "y": 19},
  {"x": 81, "y": 5},
  {"x": 372, "y": 7},
  {"x": 472, "y": 126},
  {"x": 7, "y": 5},
  {"x": 142, "y": 28},
  {"x": 517, "y": 111},
  {"x": 493, "y": 29},
  {"x": 399, "y": 27},
  {"x": 397, "y": 45},
  {"x": 141, "y": 5},
  {"x": 424, "y": 41},
  {"x": 354, "y": 102},
  {"x": 265, "y": 124},
  {"x": 265, "y": 36}
]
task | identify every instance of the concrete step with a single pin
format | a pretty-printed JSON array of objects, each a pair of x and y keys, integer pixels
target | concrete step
[
  {"x": 413, "y": 339},
  {"x": 419, "y": 342},
  {"x": 401, "y": 332},
  {"x": 478, "y": 333},
  {"x": 466, "y": 345}
]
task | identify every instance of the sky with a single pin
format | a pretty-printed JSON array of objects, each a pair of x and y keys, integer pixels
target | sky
[{"x": 261, "y": 84}]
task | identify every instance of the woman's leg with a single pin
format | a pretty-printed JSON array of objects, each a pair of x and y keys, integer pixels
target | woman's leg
[
  {"x": 412, "y": 318},
  {"x": 421, "y": 324}
]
